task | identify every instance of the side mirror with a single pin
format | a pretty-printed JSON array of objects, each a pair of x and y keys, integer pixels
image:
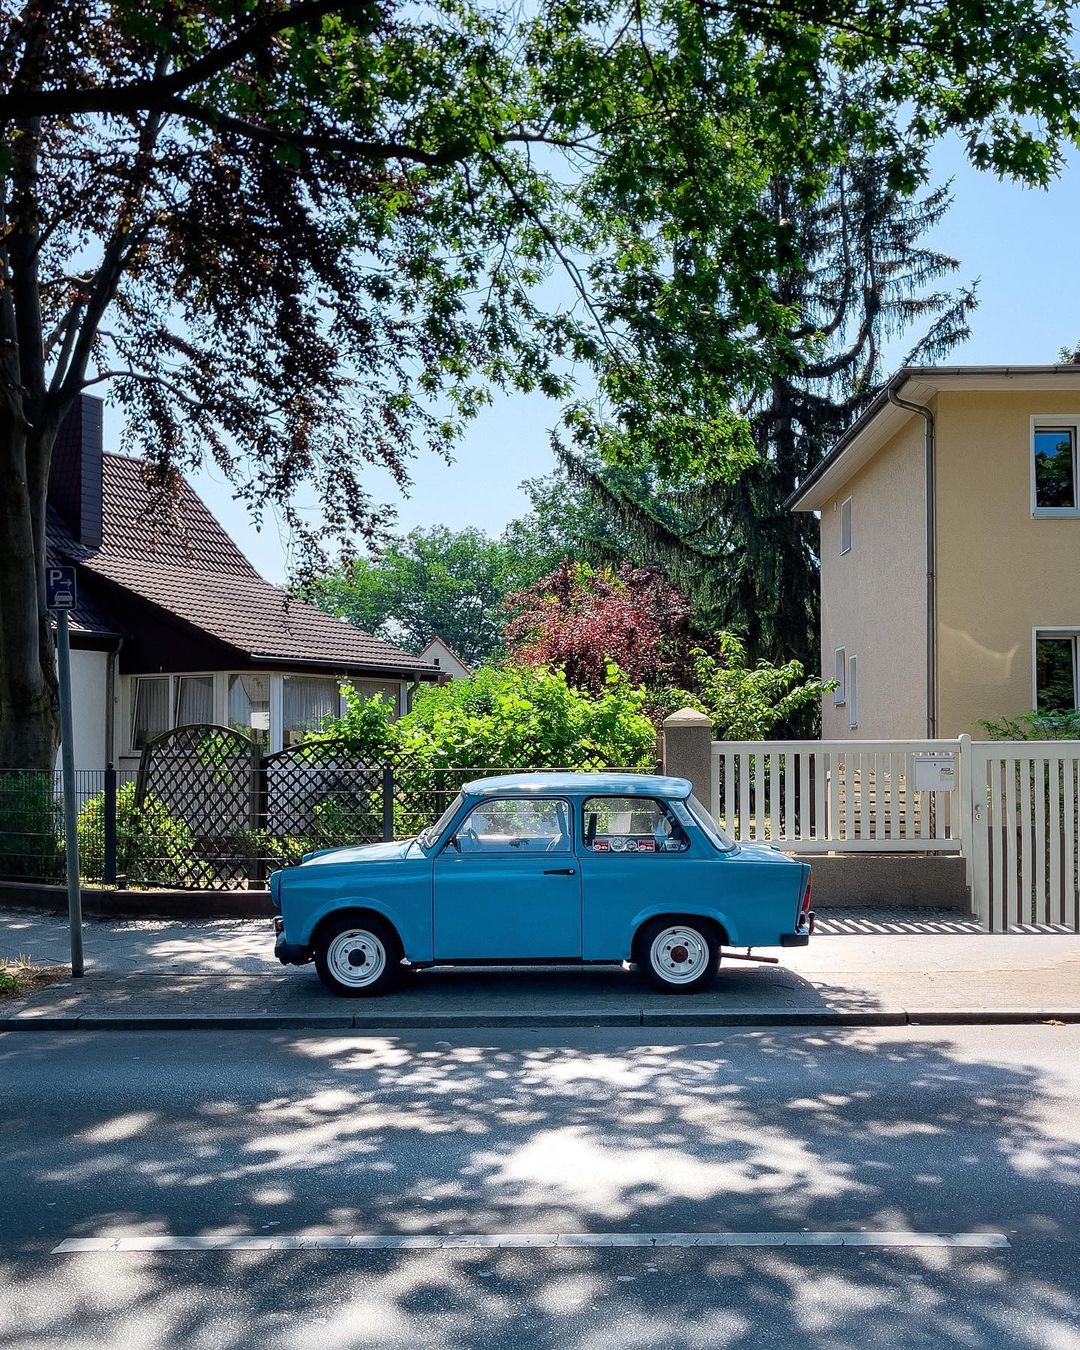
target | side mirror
[{"x": 455, "y": 843}]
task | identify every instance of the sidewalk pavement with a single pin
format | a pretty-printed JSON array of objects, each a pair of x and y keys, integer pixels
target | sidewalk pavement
[{"x": 858, "y": 970}]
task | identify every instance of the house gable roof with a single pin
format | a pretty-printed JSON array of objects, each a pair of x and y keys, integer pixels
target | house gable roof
[
  {"x": 438, "y": 638},
  {"x": 190, "y": 568},
  {"x": 884, "y": 418}
]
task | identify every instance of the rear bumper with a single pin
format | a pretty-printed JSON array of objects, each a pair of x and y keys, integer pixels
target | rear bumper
[{"x": 801, "y": 937}]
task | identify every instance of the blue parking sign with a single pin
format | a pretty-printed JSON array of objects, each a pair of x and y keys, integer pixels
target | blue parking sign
[{"x": 60, "y": 587}]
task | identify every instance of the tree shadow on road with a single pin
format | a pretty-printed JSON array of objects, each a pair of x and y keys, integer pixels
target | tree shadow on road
[{"x": 764, "y": 1130}]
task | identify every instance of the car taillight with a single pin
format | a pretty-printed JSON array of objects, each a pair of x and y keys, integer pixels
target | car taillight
[{"x": 806, "y": 894}]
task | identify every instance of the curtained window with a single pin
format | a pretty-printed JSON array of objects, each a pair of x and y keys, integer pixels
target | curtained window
[
  {"x": 307, "y": 702},
  {"x": 249, "y": 707},
  {"x": 390, "y": 691},
  {"x": 194, "y": 699},
  {"x": 150, "y": 710}
]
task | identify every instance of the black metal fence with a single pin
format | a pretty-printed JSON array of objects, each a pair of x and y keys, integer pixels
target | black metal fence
[
  {"x": 206, "y": 810},
  {"x": 32, "y": 823}
]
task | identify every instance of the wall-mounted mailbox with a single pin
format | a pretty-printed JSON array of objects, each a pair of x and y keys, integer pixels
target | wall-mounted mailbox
[{"x": 935, "y": 773}]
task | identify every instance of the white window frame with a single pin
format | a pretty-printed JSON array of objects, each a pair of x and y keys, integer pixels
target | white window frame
[
  {"x": 1052, "y": 631},
  {"x": 221, "y": 697},
  {"x": 173, "y": 676},
  {"x": 853, "y": 692},
  {"x": 840, "y": 676},
  {"x": 133, "y": 683},
  {"x": 1054, "y": 422},
  {"x": 845, "y": 514}
]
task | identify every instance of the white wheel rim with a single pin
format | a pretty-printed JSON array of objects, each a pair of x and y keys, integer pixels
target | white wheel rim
[
  {"x": 679, "y": 955},
  {"x": 356, "y": 958}
]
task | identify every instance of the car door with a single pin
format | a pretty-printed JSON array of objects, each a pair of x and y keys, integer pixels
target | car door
[
  {"x": 507, "y": 884},
  {"x": 634, "y": 854}
]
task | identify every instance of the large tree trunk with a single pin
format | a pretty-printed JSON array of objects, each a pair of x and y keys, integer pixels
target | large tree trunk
[{"x": 29, "y": 709}]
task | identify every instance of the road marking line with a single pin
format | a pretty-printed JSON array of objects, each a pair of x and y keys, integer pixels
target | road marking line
[{"x": 161, "y": 1242}]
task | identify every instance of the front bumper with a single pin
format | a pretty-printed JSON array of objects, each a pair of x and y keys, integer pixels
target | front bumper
[
  {"x": 801, "y": 937},
  {"x": 291, "y": 953}
]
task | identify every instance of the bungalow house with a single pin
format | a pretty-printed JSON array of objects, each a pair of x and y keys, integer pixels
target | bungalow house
[
  {"x": 950, "y": 552},
  {"x": 175, "y": 626}
]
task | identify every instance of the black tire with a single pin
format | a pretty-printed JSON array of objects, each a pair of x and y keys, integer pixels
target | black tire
[
  {"x": 361, "y": 943},
  {"x": 678, "y": 955}
]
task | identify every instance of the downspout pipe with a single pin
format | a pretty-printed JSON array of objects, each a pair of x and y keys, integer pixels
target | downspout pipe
[{"x": 930, "y": 478}]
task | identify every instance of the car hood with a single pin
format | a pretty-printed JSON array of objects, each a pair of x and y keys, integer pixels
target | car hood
[{"x": 360, "y": 853}]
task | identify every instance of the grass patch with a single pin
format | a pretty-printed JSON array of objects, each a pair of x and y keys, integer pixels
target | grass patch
[{"x": 19, "y": 976}]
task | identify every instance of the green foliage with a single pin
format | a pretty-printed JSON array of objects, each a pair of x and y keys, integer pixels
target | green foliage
[
  {"x": 152, "y": 846},
  {"x": 746, "y": 703},
  {"x": 450, "y": 582},
  {"x": 31, "y": 830},
  {"x": 311, "y": 239},
  {"x": 1035, "y": 726},
  {"x": 744, "y": 561},
  {"x": 509, "y": 717}
]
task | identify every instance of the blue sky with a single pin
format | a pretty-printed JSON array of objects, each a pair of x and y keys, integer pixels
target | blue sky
[{"x": 1020, "y": 243}]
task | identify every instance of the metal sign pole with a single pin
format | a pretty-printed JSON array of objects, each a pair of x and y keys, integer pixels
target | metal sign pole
[{"x": 71, "y": 815}]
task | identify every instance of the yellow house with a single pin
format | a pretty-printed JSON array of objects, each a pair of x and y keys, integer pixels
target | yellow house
[{"x": 950, "y": 552}]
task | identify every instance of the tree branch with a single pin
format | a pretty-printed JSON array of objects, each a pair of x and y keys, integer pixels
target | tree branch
[
  {"x": 145, "y": 95},
  {"x": 145, "y": 377}
]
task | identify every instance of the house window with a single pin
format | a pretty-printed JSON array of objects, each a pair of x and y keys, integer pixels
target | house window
[
  {"x": 306, "y": 702},
  {"x": 150, "y": 710},
  {"x": 840, "y": 676},
  {"x": 390, "y": 691},
  {"x": 1057, "y": 674},
  {"x": 853, "y": 692},
  {"x": 845, "y": 526},
  {"x": 1054, "y": 467},
  {"x": 249, "y": 707},
  {"x": 194, "y": 699}
]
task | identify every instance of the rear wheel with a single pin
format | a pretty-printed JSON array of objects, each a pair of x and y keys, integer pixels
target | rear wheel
[
  {"x": 679, "y": 956},
  {"x": 358, "y": 956}
]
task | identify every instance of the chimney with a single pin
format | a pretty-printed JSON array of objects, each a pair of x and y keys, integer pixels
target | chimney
[{"x": 75, "y": 489}]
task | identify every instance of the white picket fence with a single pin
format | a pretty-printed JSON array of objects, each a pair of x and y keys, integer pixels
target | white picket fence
[
  {"x": 834, "y": 796},
  {"x": 1011, "y": 808}
]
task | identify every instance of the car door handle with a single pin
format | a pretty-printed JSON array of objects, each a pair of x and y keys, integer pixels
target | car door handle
[{"x": 558, "y": 871}]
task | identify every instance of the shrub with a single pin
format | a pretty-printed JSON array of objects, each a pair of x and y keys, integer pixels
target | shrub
[
  {"x": 152, "y": 845},
  {"x": 1035, "y": 726},
  {"x": 746, "y": 703},
  {"x": 31, "y": 833},
  {"x": 509, "y": 717}
]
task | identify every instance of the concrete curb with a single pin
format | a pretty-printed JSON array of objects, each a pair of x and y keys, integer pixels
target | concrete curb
[{"x": 780, "y": 1017}]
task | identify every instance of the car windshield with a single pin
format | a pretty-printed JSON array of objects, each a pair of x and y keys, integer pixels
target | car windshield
[
  {"x": 428, "y": 837},
  {"x": 700, "y": 813}
]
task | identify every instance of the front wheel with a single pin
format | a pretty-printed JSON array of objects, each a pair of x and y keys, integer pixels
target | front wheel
[
  {"x": 358, "y": 957},
  {"x": 678, "y": 956}
]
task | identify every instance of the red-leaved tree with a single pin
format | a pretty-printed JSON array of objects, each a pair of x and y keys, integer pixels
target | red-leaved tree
[{"x": 581, "y": 618}]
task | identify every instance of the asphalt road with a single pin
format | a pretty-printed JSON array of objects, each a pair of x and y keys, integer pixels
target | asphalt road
[{"x": 964, "y": 1130}]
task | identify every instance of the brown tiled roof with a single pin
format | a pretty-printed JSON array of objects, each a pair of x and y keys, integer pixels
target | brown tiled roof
[
  {"x": 194, "y": 571},
  {"x": 193, "y": 538}
]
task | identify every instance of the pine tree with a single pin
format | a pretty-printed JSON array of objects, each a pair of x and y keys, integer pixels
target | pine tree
[{"x": 864, "y": 278}]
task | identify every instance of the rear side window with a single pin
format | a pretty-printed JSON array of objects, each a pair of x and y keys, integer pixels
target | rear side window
[{"x": 631, "y": 825}]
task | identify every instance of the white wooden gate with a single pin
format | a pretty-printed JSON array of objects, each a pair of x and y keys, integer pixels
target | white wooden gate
[{"x": 1025, "y": 833}]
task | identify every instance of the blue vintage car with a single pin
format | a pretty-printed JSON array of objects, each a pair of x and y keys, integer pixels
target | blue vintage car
[{"x": 544, "y": 867}]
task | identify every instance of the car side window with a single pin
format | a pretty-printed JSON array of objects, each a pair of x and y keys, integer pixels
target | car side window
[
  {"x": 631, "y": 825},
  {"x": 520, "y": 825}
]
